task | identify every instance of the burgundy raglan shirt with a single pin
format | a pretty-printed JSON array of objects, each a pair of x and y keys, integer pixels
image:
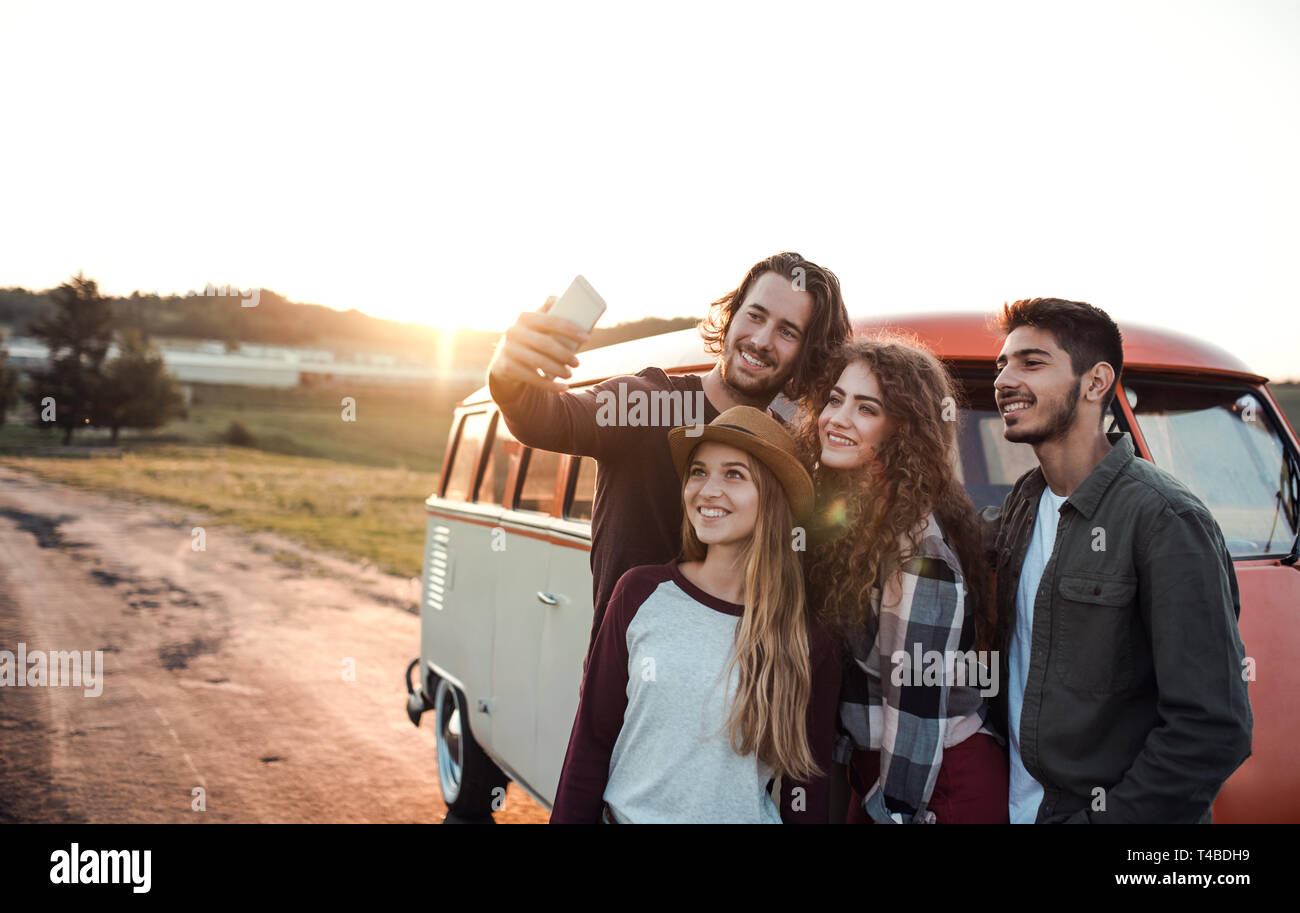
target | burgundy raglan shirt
[
  {"x": 637, "y": 509},
  {"x": 650, "y": 737}
]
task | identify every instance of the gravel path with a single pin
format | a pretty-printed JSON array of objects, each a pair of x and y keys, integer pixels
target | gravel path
[{"x": 263, "y": 674}]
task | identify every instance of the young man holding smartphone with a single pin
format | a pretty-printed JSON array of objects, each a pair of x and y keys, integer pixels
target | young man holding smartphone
[{"x": 783, "y": 319}]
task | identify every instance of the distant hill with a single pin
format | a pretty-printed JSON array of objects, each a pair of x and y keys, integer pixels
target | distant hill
[{"x": 278, "y": 321}]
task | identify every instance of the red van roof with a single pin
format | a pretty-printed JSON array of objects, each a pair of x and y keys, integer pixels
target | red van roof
[
  {"x": 959, "y": 336},
  {"x": 954, "y": 336}
]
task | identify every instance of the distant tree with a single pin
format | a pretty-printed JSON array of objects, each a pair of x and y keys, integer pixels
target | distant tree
[
  {"x": 64, "y": 394},
  {"x": 80, "y": 324},
  {"x": 138, "y": 391},
  {"x": 8, "y": 384},
  {"x": 238, "y": 434},
  {"x": 19, "y": 306},
  {"x": 78, "y": 329}
]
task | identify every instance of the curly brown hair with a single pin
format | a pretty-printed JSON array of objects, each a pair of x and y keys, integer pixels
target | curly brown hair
[
  {"x": 864, "y": 516},
  {"x": 828, "y": 327}
]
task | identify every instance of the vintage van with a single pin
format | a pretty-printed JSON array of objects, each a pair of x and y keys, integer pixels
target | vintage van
[{"x": 506, "y": 607}]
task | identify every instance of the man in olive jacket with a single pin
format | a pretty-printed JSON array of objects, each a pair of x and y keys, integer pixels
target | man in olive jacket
[{"x": 1124, "y": 696}]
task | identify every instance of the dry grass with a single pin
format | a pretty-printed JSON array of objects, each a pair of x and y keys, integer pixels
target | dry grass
[{"x": 363, "y": 512}]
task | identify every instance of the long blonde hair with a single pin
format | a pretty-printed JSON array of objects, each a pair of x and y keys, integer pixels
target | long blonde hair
[{"x": 768, "y": 715}]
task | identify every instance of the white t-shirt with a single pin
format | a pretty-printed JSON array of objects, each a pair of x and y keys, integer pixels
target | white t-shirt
[{"x": 1027, "y": 793}]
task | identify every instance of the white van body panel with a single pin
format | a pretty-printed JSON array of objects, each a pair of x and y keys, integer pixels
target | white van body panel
[
  {"x": 566, "y": 632},
  {"x": 485, "y": 627},
  {"x": 456, "y": 630}
]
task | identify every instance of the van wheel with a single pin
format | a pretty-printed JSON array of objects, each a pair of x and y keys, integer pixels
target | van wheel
[{"x": 468, "y": 777}]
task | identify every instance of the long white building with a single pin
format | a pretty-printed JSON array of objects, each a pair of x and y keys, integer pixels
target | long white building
[{"x": 255, "y": 366}]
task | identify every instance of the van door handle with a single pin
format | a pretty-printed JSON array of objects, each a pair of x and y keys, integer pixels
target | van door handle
[{"x": 547, "y": 598}]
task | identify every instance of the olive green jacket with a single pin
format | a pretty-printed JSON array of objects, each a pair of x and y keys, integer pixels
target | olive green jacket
[{"x": 1136, "y": 705}]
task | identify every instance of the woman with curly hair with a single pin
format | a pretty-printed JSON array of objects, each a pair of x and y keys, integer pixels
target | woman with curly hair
[{"x": 895, "y": 565}]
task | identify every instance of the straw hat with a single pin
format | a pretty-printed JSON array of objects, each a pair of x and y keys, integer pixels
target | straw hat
[{"x": 762, "y": 437}]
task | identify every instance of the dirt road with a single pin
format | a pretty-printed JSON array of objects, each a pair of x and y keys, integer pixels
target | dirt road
[{"x": 262, "y": 674}]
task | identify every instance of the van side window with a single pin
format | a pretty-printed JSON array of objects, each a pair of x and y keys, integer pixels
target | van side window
[
  {"x": 584, "y": 491},
  {"x": 492, "y": 490},
  {"x": 538, "y": 489},
  {"x": 464, "y": 461}
]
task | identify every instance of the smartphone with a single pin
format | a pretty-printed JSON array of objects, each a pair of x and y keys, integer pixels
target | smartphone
[{"x": 579, "y": 305}]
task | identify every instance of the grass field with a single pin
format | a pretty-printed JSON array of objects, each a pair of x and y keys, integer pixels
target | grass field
[
  {"x": 370, "y": 513},
  {"x": 394, "y": 427},
  {"x": 355, "y": 488}
]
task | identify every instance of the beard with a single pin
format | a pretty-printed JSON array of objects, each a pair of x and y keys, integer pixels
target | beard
[
  {"x": 1058, "y": 421},
  {"x": 746, "y": 387}
]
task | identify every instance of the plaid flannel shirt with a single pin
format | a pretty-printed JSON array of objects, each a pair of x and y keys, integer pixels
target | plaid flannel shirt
[{"x": 924, "y": 607}]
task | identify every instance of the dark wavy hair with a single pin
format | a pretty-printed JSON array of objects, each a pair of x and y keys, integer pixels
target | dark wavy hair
[
  {"x": 1086, "y": 333},
  {"x": 864, "y": 517},
  {"x": 828, "y": 326}
]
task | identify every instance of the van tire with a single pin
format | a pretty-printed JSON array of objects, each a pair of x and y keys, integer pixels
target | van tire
[{"x": 472, "y": 785}]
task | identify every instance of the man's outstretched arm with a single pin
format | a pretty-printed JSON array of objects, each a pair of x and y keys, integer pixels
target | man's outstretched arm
[{"x": 525, "y": 379}]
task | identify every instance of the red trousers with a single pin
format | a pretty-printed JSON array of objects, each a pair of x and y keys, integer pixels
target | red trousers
[{"x": 971, "y": 787}]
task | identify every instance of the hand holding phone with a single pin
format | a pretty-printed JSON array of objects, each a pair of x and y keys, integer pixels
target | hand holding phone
[
  {"x": 581, "y": 305},
  {"x": 538, "y": 349}
]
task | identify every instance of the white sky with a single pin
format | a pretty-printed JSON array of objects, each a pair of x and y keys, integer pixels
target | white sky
[{"x": 455, "y": 163}]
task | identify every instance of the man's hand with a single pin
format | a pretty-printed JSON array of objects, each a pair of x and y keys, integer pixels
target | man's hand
[{"x": 537, "y": 350}]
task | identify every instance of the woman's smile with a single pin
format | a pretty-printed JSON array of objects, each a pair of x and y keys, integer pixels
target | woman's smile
[
  {"x": 853, "y": 422},
  {"x": 720, "y": 497}
]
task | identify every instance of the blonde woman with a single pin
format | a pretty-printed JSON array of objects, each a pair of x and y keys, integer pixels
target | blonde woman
[{"x": 705, "y": 681}]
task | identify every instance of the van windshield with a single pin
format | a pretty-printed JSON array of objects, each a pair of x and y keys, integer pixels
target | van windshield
[{"x": 1224, "y": 444}]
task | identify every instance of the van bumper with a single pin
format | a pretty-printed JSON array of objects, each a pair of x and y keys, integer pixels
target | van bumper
[{"x": 417, "y": 701}]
